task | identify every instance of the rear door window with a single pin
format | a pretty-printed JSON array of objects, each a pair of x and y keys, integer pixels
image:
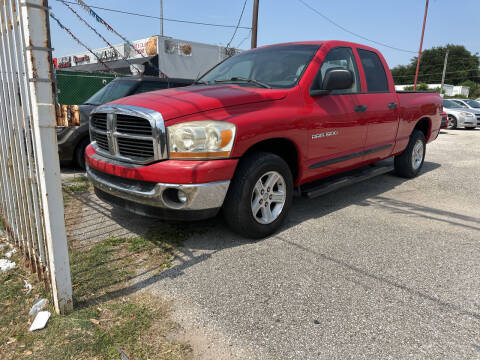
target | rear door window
[{"x": 374, "y": 71}]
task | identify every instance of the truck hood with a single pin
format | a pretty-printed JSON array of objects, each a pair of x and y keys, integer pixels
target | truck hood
[{"x": 178, "y": 102}]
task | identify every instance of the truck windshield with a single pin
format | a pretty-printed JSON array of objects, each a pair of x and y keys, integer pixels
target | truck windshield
[
  {"x": 451, "y": 104},
  {"x": 113, "y": 91},
  {"x": 278, "y": 67}
]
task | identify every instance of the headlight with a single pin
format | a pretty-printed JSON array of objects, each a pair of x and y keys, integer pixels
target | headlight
[
  {"x": 466, "y": 114},
  {"x": 201, "y": 139}
]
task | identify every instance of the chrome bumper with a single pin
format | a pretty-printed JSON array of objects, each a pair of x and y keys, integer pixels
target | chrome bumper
[{"x": 198, "y": 196}]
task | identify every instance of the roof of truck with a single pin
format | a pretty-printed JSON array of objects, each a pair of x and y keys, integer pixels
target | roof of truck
[{"x": 322, "y": 42}]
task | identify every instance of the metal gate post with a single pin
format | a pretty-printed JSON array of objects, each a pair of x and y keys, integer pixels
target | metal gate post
[{"x": 36, "y": 33}]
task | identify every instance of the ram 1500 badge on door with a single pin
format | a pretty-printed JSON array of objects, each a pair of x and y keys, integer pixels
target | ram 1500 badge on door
[{"x": 253, "y": 129}]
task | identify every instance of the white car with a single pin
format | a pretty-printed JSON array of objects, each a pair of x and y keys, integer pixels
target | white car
[
  {"x": 472, "y": 106},
  {"x": 458, "y": 115}
]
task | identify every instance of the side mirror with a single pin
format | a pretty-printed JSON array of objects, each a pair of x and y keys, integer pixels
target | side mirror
[{"x": 335, "y": 79}]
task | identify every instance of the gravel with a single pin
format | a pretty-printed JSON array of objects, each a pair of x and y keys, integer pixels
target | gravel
[{"x": 388, "y": 268}]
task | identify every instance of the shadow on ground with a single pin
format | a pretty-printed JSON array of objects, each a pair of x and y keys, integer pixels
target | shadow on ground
[{"x": 199, "y": 241}]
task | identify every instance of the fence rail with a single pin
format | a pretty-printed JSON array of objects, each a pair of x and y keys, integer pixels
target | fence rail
[{"x": 31, "y": 205}]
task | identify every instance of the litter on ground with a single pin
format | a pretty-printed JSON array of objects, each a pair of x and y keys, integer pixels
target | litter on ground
[
  {"x": 40, "y": 320},
  {"x": 28, "y": 286},
  {"x": 38, "y": 306},
  {"x": 10, "y": 253},
  {"x": 6, "y": 265}
]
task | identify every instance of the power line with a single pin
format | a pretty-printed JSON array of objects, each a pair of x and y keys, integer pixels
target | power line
[
  {"x": 448, "y": 72},
  {"x": 351, "y": 32},
  {"x": 244, "y": 39},
  {"x": 238, "y": 23},
  {"x": 454, "y": 78},
  {"x": 160, "y": 18}
]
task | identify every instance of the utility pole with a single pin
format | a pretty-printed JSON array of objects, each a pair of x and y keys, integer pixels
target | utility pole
[
  {"x": 421, "y": 44},
  {"x": 161, "y": 18},
  {"x": 444, "y": 70},
  {"x": 255, "y": 23}
]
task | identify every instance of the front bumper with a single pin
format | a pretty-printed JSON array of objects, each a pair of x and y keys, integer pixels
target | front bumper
[
  {"x": 197, "y": 196},
  {"x": 173, "y": 190},
  {"x": 470, "y": 121}
]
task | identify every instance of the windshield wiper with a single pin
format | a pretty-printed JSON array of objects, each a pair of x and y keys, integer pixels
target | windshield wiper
[{"x": 241, "y": 79}]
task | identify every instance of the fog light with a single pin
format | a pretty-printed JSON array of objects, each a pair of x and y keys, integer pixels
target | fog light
[
  {"x": 182, "y": 197},
  {"x": 174, "y": 198}
]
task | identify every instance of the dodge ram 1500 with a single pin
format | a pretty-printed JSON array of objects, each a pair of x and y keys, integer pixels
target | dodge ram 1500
[{"x": 254, "y": 130}]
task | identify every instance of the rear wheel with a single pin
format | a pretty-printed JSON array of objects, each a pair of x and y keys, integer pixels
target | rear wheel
[
  {"x": 409, "y": 163},
  {"x": 259, "y": 196},
  {"x": 452, "y": 122}
]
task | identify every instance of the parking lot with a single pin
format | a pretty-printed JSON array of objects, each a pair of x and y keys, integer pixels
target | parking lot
[{"x": 388, "y": 268}]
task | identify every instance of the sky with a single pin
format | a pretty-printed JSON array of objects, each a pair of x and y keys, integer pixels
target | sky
[{"x": 395, "y": 23}]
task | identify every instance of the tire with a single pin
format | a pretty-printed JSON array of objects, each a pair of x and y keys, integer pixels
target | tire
[
  {"x": 452, "y": 122},
  {"x": 249, "y": 190},
  {"x": 410, "y": 162},
  {"x": 80, "y": 153}
]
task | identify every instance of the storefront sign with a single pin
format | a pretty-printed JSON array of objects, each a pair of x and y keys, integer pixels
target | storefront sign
[
  {"x": 81, "y": 59},
  {"x": 178, "y": 48},
  {"x": 65, "y": 62},
  {"x": 141, "y": 48}
]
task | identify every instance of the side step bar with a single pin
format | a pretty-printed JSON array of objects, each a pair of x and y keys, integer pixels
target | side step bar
[{"x": 327, "y": 185}]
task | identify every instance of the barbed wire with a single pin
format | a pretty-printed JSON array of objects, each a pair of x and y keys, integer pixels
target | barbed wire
[
  {"x": 94, "y": 30},
  {"x": 99, "y": 19},
  {"x": 52, "y": 15}
]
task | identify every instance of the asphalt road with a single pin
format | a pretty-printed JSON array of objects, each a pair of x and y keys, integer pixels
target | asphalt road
[{"x": 388, "y": 268}]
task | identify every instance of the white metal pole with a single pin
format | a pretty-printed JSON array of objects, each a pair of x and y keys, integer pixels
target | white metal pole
[
  {"x": 444, "y": 70},
  {"x": 37, "y": 36}
]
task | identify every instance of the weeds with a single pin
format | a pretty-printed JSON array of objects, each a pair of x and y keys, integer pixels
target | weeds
[{"x": 137, "y": 324}]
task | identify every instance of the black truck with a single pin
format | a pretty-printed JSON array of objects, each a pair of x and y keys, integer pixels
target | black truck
[{"x": 72, "y": 141}]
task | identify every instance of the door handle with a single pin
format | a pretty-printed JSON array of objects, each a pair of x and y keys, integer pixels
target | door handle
[
  {"x": 361, "y": 108},
  {"x": 392, "y": 105}
]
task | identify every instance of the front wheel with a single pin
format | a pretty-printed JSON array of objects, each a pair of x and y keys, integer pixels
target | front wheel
[
  {"x": 452, "y": 122},
  {"x": 80, "y": 153},
  {"x": 409, "y": 163},
  {"x": 259, "y": 196}
]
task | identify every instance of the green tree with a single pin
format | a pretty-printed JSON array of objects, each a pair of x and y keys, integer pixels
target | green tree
[{"x": 462, "y": 66}]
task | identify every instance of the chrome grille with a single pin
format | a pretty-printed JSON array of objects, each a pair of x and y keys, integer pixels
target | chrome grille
[
  {"x": 100, "y": 121},
  {"x": 133, "y": 125},
  {"x": 102, "y": 141},
  {"x": 128, "y": 133},
  {"x": 135, "y": 147}
]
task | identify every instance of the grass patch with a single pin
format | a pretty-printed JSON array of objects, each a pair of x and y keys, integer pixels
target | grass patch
[
  {"x": 105, "y": 320},
  {"x": 76, "y": 184}
]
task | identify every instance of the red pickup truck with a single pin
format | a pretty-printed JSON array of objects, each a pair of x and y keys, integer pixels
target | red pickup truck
[{"x": 254, "y": 130}]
